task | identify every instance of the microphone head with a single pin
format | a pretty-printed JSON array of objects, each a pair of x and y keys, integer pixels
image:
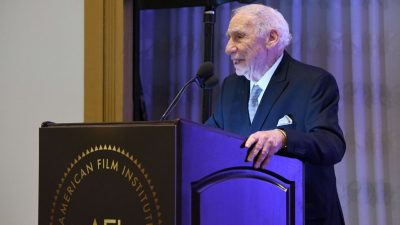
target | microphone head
[{"x": 205, "y": 71}]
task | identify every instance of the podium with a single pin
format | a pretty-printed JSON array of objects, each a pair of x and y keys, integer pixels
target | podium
[{"x": 153, "y": 173}]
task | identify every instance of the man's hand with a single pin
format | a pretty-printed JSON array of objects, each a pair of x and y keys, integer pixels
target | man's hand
[{"x": 263, "y": 145}]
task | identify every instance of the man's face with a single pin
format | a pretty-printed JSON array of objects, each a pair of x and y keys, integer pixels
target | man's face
[{"x": 246, "y": 48}]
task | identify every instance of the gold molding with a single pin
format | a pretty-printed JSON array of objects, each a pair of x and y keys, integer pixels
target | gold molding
[{"x": 103, "y": 66}]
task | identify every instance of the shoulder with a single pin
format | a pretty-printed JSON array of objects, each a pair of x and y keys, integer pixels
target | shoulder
[
  {"x": 233, "y": 81},
  {"x": 233, "y": 78},
  {"x": 306, "y": 75},
  {"x": 302, "y": 69}
]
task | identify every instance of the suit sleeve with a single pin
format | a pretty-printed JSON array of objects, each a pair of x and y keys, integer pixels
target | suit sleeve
[{"x": 322, "y": 143}]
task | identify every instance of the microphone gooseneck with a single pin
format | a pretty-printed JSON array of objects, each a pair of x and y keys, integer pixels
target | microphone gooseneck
[{"x": 204, "y": 78}]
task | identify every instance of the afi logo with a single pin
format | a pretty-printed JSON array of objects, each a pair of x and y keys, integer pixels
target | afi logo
[{"x": 107, "y": 222}]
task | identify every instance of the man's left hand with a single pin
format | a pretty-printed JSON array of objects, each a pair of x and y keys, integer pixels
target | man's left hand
[{"x": 263, "y": 145}]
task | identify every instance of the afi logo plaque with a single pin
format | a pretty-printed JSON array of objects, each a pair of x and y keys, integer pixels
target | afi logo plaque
[{"x": 87, "y": 190}]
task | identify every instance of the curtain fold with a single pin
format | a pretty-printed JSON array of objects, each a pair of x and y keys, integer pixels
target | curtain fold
[{"x": 357, "y": 41}]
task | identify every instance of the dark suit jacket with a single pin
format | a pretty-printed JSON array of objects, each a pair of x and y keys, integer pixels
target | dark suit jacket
[{"x": 309, "y": 95}]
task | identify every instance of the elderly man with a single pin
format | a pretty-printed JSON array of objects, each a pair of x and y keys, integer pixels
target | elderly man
[{"x": 283, "y": 106}]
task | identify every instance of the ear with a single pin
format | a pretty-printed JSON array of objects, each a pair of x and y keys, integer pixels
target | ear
[{"x": 273, "y": 39}]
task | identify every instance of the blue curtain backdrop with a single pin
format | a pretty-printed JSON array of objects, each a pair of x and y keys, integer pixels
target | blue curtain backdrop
[{"x": 358, "y": 41}]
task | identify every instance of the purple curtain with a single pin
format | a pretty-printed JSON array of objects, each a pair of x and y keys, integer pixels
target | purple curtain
[{"x": 358, "y": 41}]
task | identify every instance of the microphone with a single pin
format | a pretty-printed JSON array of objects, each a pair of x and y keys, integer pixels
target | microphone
[
  {"x": 204, "y": 78},
  {"x": 205, "y": 71}
]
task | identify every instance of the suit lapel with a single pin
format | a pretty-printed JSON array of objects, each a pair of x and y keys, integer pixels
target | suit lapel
[
  {"x": 274, "y": 90},
  {"x": 238, "y": 113},
  {"x": 243, "y": 99}
]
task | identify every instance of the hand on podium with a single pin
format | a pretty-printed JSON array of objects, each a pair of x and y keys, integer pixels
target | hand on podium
[{"x": 263, "y": 145}]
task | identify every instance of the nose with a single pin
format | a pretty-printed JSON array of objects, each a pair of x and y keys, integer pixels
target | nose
[{"x": 230, "y": 47}]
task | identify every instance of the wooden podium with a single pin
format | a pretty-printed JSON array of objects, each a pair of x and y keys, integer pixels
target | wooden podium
[{"x": 152, "y": 173}]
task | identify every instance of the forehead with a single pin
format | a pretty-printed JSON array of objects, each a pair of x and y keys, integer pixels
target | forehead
[{"x": 241, "y": 22}]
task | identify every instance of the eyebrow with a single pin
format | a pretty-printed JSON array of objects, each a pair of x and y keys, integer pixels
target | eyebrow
[{"x": 234, "y": 32}]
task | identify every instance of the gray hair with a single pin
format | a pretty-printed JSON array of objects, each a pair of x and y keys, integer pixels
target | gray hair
[{"x": 267, "y": 18}]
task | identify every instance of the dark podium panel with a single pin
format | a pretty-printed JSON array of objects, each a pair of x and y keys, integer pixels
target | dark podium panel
[{"x": 174, "y": 172}]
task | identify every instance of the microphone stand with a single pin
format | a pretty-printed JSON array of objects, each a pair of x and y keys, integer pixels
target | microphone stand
[{"x": 209, "y": 21}]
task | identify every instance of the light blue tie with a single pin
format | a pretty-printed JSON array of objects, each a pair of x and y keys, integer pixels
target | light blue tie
[{"x": 253, "y": 101}]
